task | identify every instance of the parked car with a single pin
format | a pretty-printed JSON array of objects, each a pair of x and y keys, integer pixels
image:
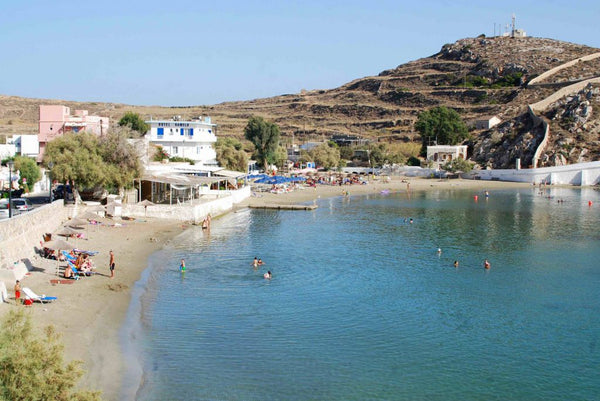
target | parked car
[
  {"x": 22, "y": 204},
  {"x": 3, "y": 210},
  {"x": 59, "y": 191}
]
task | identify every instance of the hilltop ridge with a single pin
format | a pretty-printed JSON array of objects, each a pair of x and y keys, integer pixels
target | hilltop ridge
[{"x": 478, "y": 77}]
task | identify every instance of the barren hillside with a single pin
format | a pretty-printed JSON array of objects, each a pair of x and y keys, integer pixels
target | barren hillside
[{"x": 476, "y": 76}]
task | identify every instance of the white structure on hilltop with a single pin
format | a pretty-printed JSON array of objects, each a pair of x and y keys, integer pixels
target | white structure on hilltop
[
  {"x": 442, "y": 154},
  {"x": 514, "y": 32},
  {"x": 192, "y": 139}
]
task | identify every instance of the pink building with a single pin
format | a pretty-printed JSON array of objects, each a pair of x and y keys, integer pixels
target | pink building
[{"x": 57, "y": 120}]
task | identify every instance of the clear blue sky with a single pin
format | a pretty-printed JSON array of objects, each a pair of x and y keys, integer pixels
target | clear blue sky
[{"x": 180, "y": 52}]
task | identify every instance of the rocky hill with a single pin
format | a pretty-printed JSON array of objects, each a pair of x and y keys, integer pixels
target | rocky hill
[{"x": 479, "y": 77}]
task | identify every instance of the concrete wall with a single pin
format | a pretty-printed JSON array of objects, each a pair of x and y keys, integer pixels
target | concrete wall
[
  {"x": 21, "y": 234},
  {"x": 187, "y": 212},
  {"x": 567, "y": 90},
  {"x": 568, "y": 64},
  {"x": 582, "y": 174}
]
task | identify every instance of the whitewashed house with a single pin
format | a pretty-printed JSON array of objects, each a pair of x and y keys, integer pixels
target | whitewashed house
[
  {"x": 486, "y": 122},
  {"x": 442, "y": 154},
  {"x": 193, "y": 139}
]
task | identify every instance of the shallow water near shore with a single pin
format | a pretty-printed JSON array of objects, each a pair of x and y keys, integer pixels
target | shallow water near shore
[{"x": 362, "y": 306}]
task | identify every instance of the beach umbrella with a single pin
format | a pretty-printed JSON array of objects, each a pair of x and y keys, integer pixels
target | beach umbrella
[
  {"x": 88, "y": 216},
  {"x": 145, "y": 203},
  {"x": 75, "y": 222},
  {"x": 66, "y": 232},
  {"x": 58, "y": 245}
]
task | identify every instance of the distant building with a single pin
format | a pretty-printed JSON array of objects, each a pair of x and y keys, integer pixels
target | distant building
[
  {"x": 20, "y": 145},
  {"x": 57, "y": 120},
  {"x": 192, "y": 139},
  {"x": 348, "y": 140},
  {"x": 441, "y": 154},
  {"x": 486, "y": 122}
]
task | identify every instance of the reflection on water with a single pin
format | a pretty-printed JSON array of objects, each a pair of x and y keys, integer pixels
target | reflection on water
[{"x": 362, "y": 306}]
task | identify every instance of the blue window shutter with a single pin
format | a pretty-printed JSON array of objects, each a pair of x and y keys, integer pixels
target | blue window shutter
[
  {"x": 191, "y": 132},
  {"x": 181, "y": 131},
  {"x": 160, "y": 131}
]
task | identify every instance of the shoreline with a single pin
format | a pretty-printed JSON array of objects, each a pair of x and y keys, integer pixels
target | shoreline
[{"x": 91, "y": 312}]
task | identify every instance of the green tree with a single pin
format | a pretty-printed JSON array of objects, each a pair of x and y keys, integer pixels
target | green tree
[
  {"x": 122, "y": 160},
  {"x": 87, "y": 161},
  {"x": 77, "y": 158},
  {"x": 231, "y": 155},
  {"x": 458, "y": 165},
  {"x": 326, "y": 156},
  {"x": 440, "y": 125},
  {"x": 32, "y": 365},
  {"x": 265, "y": 137},
  {"x": 29, "y": 170},
  {"x": 135, "y": 122}
]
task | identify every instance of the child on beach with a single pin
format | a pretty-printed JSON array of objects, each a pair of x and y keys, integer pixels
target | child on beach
[{"x": 17, "y": 291}]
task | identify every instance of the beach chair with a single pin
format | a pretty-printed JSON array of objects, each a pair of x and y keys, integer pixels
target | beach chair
[{"x": 29, "y": 294}]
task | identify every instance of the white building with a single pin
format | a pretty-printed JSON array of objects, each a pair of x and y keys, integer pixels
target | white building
[
  {"x": 486, "y": 122},
  {"x": 21, "y": 145},
  {"x": 442, "y": 154},
  {"x": 192, "y": 140}
]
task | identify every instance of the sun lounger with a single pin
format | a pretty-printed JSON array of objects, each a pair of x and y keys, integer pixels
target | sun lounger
[{"x": 29, "y": 294}]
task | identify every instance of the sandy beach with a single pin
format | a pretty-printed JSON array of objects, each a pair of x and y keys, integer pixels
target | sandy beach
[{"x": 90, "y": 312}]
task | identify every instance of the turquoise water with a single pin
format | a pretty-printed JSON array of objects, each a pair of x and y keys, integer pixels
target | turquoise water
[{"x": 362, "y": 307}]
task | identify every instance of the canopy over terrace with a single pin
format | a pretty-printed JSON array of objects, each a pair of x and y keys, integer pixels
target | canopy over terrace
[{"x": 170, "y": 187}]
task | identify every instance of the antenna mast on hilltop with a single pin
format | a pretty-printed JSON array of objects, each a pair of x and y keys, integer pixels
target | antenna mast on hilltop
[{"x": 512, "y": 33}]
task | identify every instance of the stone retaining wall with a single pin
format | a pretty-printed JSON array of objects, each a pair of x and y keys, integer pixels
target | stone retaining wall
[
  {"x": 21, "y": 234},
  {"x": 568, "y": 64}
]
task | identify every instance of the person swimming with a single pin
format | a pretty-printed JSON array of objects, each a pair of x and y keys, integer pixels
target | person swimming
[
  {"x": 255, "y": 262},
  {"x": 260, "y": 262},
  {"x": 456, "y": 263},
  {"x": 268, "y": 275},
  {"x": 182, "y": 265},
  {"x": 486, "y": 264}
]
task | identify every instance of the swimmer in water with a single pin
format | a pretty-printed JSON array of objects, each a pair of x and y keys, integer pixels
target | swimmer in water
[
  {"x": 182, "y": 265},
  {"x": 486, "y": 264},
  {"x": 267, "y": 275},
  {"x": 456, "y": 263},
  {"x": 255, "y": 262}
]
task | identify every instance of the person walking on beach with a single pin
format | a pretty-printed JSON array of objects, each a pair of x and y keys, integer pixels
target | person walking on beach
[
  {"x": 182, "y": 266},
  {"x": 17, "y": 292},
  {"x": 111, "y": 264}
]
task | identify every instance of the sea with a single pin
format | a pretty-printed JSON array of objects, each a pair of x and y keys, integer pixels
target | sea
[{"x": 365, "y": 302}]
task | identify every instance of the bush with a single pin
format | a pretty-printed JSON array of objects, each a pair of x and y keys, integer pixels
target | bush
[
  {"x": 32, "y": 365},
  {"x": 413, "y": 161}
]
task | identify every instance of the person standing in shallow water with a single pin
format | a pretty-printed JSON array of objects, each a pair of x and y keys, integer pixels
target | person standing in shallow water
[
  {"x": 182, "y": 265},
  {"x": 486, "y": 264}
]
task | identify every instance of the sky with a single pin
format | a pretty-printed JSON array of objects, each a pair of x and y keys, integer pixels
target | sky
[{"x": 188, "y": 53}]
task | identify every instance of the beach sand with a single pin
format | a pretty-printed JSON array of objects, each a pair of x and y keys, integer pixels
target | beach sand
[{"x": 90, "y": 312}]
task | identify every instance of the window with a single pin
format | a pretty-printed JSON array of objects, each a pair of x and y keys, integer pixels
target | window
[
  {"x": 160, "y": 132},
  {"x": 175, "y": 150}
]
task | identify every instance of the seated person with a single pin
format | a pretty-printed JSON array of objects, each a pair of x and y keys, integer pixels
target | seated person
[{"x": 68, "y": 272}]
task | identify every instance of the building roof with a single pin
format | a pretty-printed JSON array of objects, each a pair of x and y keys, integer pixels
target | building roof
[{"x": 180, "y": 179}]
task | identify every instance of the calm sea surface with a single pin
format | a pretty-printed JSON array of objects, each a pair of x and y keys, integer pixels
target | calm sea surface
[{"x": 362, "y": 307}]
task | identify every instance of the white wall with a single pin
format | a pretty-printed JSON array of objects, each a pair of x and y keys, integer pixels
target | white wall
[{"x": 582, "y": 174}]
